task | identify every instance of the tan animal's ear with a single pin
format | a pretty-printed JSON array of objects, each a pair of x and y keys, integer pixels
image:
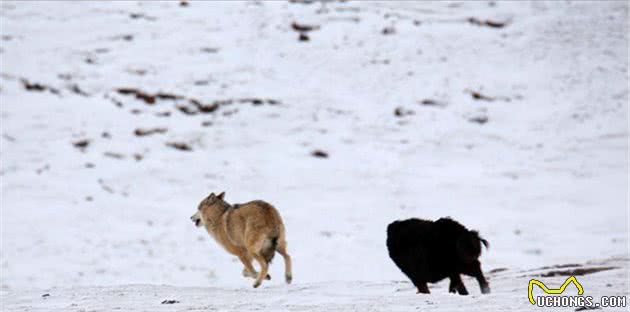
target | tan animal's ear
[
  {"x": 211, "y": 195},
  {"x": 220, "y": 196}
]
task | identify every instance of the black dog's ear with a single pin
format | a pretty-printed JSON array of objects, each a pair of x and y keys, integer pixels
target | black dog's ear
[{"x": 220, "y": 196}]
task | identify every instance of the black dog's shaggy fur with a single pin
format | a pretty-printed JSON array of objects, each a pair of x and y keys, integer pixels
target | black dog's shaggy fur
[{"x": 428, "y": 251}]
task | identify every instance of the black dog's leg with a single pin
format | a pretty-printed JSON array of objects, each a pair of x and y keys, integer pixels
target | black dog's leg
[
  {"x": 452, "y": 286},
  {"x": 456, "y": 285},
  {"x": 461, "y": 289},
  {"x": 474, "y": 270},
  {"x": 412, "y": 265},
  {"x": 422, "y": 288},
  {"x": 414, "y": 275},
  {"x": 483, "y": 284}
]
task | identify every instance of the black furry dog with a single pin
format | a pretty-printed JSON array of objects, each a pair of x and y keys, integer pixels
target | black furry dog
[{"x": 429, "y": 251}]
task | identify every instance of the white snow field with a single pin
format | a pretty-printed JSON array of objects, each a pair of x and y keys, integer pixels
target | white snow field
[{"x": 510, "y": 117}]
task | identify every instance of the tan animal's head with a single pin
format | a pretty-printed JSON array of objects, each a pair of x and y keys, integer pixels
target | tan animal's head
[{"x": 209, "y": 210}]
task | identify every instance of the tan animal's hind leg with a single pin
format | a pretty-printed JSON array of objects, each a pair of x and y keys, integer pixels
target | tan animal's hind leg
[
  {"x": 264, "y": 268},
  {"x": 282, "y": 249},
  {"x": 249, "y": 270}
]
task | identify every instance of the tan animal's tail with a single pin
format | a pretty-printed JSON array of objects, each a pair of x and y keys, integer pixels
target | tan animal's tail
[{"x": 269, "y": 248}]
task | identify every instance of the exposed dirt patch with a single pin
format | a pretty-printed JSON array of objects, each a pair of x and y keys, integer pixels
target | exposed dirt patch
[
  {"x": 141, "y": 16},
  {"x": 190, "y": 106},
  {"x": 402, "y": 112},
  {"x": 209, "y": 50},
  {"x": 81, "y": 144},
  {"x": 77, "y": 90},
  {"x": 478, "y": 96},
  {"x": 388, "y": 30},
  {"x": 303, "y": 27},
  {"x": 105, "y": 187},
  {"x": 114, "y": 155},
  {"x": 145, "y": 132},
  {"x": 116, "y": 102},
  {"x": 148, "y": 98},
  {"x": 479, "y": 119},
  {"x": 576, "y": 272},
  {"x": 140, "y": 95},
  {"x": 125, "y": 37},
  {"x": 303, "y": 30},
  {"x": 561, "y": 266},
  {"x": 66, "y": 77},
  {"x": 432, "y": 102},
  {"x": 38, "y": 87},
  {"x": 487, "y": 22},
  {"x": 168, "y": 96},
  {"x": 497, "y": 270},
  {"x": 319, "y": 154},
  {"x": 204, "y": 108},
  {"x": 187, "y": 110},
  {"x": 180, "y": 146}
]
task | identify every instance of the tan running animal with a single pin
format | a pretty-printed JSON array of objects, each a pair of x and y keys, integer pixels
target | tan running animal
[{"x": 253, "y": 230}]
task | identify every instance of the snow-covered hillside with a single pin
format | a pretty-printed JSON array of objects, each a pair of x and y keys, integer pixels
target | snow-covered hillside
[{"x": 117, "y": 118}]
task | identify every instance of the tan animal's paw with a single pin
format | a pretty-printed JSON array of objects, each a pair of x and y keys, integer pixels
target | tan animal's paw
[
  {"x": 256, "y": 284},
  {"x": 268, "y": 277},
  {"x": 288, "y": 278},
  {"x": 250, "y": 274}
]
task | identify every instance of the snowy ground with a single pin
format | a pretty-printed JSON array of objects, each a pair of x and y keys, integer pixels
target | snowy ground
[
  {"x": 324, "y": 296},
  {"x": 519, "y": 131}
]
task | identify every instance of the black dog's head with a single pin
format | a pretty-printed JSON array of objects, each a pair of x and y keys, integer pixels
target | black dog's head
[{"x": 469, "y": 246}]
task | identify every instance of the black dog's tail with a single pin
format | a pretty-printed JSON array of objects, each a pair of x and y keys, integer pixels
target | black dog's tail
[
  {"x": 484, "y": 242},
  {"x": 481, "y": 239}
]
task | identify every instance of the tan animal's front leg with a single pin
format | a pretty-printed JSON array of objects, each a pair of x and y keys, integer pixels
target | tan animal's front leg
[
  {"x": 282, "y": 249},
  {"x": 264, "y": 268}
]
